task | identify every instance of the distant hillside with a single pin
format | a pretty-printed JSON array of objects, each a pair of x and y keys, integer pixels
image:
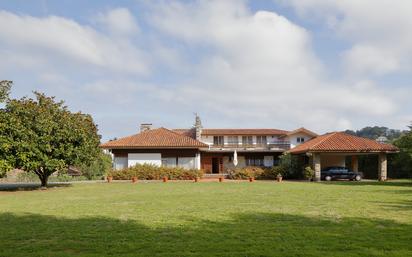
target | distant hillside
[{"x": 376, "y": 131}]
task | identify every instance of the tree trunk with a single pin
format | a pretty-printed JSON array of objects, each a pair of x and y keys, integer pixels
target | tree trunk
[{"x": 43, "y": 180}]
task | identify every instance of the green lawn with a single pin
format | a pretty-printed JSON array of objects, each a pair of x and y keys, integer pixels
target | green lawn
[{"x": 209, "y": 219}]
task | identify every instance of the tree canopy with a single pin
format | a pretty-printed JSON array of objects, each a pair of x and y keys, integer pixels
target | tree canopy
[
  {"x": 403, "y": 160},
  {"x": 5, "y": 86},
  {"x": 377, "y": 131},
  {"x": 43, "y": 136}
]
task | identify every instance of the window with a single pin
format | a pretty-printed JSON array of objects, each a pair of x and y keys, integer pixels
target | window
[
  {"x": 169, "y": 162},
  {"x": 261, "y": 140},
  {"x": 254, "y": 161},
  {"x": 120, "y": 163},
  {"x": 218, "y": 140},
  {"x": 186, "y": 162},
  {"x": 233, "y": 140},
  {"x": 300, "y": 139},
  {"x": 247, "y": 140}
]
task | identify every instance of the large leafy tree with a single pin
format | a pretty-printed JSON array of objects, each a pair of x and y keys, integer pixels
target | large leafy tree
[
  {"x": 403, "y": 161},
  {"x": 5, "y": 86},
  {"x": 42, "y": 136}
]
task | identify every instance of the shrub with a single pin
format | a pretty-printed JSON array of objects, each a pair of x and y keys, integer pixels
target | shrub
[
  {"x": 151, "y": 172},
  {"x": 272, "y": 173},
  {"x": 309, "y": 173},
  {"x": 246, "y": 172},
  {"x": 4, "y": 168},
  {"x": 97, "y": 168}
]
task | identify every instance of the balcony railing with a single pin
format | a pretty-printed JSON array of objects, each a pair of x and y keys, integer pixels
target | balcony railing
[{"x": 284, "y": 145}]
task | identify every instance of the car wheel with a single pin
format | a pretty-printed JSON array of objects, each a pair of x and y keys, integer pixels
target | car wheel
[
  {"x": 328, "y": 178},
  {"x": 358, "y": 178}
]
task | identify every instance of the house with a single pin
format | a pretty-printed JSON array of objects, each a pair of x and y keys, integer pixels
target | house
[
  {"x": 201, "y": 148},
  {"x": 332, "y": 149}
]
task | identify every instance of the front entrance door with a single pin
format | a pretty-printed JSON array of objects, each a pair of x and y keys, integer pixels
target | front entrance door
[{"x": 216, "y": 165}]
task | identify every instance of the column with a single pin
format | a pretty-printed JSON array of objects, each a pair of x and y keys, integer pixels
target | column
[
  {"x": 316, "y": 166},
  {"x": 383, "y": 167},
  {"x": 355, "y": 165},
  {"x": 197, "y": 161}
]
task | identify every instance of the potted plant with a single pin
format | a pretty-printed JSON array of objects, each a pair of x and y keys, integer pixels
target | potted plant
[
  {"x": 279, "y": 177},
  {"x": 309, "y": 173}
]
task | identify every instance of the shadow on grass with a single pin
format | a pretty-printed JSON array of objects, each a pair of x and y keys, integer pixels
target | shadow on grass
[
  {"x": 405, "y": 205},
  {"x": 404, "y": 183},
  {"x": 252, "y": 234},
  {"x": 29, "y": 186}
]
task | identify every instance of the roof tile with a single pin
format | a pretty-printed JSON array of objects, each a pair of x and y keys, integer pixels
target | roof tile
[
  {"x": 160, "y": 137},
  {"x": 342, "y": 142}
]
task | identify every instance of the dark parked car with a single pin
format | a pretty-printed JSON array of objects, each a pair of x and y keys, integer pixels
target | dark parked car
[{"x": 334, "y": 173}]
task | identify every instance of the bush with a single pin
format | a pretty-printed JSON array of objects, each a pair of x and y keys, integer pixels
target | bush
[
  {"x": 246, "y": 172},
  {"x": 292, "y": 166},
  {"x": 61, "y": 177},
  {"x": 273, "y": 172},
  {"x": 151, "y": 172},
  {"x": 4, "y": 168},
  {"x": 99, "y": 167},
  {"x": 309, "y": 173}
]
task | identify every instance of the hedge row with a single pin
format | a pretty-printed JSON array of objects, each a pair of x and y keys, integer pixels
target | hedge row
[
  {"x": 153, "y": 172},
  {"x": 255, "y": 172}
]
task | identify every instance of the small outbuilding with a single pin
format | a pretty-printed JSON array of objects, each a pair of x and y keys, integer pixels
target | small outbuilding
[{"x": 331, "y": 149}]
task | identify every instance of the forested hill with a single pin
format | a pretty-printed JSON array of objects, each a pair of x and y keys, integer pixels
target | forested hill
[{"x": 376, "y": 131}]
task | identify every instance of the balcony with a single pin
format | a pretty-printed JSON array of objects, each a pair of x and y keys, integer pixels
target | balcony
[{"x": 277, "y": 145}]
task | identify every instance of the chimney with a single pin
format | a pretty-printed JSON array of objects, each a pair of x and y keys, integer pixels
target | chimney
[
  {"x": 198, "y": 127},
  {"x": 145, "y": 127}
]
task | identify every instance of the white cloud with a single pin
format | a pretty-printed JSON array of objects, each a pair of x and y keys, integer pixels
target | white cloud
[
  {"x": 234, "y": 66},
  {"x": 65, "y": 40},
  {"x": 378, "y": 29},
  {"x": 119, "y": 21},
  {"x": 261, "y": 67}
]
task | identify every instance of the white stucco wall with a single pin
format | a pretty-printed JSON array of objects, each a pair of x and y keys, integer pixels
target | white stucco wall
[
  {"x": 293, "y": 139},
  {"x": 207, "y": 139},
  {"x": 141, "y": 158}
]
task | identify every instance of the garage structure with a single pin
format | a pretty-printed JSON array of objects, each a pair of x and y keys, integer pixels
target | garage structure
[{"x": 331, "y": 149}]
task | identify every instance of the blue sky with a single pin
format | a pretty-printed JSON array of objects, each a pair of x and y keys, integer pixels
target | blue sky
[{"x": 325, "y": 65}]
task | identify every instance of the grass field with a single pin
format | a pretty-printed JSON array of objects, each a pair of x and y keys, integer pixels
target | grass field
[{"x": 209, "y": 219}]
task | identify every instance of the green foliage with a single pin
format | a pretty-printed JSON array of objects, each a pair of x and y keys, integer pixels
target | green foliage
[
  {"x": 402, "y": 162},
  {"x": 4, "y": 168},
  {"x": 309, "y": 173},
  {"x": 32, "y": 177},
  {"x": 5, "y": 87},
  {"x": 291, "y": 166},
  {"x": 272, "y": 173},
  {"x": 246, "y": 172},
  {"x": 42, "y": 136},
  {"x": 376, "y": 131},
  {"x": 152, "y": 172},
  {"x": 98, "y": 168}
]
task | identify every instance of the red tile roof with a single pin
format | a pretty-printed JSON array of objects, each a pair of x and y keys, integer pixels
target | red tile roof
[
  {"x": 244, "y": 132},
  {"x": 186, "y": 132},
  {"x": 155, "y": 138},
  {"x": 303, "y": 130},
  {"x": 342, "y": 142}
]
